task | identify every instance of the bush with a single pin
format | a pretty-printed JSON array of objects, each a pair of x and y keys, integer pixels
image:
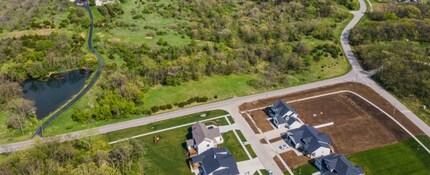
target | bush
[{"x": 155, "y": 109}]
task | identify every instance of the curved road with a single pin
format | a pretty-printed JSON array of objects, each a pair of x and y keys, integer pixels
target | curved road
[
  {"x": 39, "y": 131},
  {"x": 355, "y": 75}
]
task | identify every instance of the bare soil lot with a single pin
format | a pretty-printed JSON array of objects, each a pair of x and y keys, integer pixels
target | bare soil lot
[
  {"x": 261, "y": 119},
  {"x": 292, "y": 160},
  {"x": 358, "y": 126}
]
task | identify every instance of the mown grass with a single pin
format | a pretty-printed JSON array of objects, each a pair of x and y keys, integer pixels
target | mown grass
[
  {"x": 116, "y": 135},
  {"x": 251, "y": 151},
  {"x": 233, "y": 145},
  {"x": 168, "y": 156},
  {"x": 305, "y": 169},
  {"x": 406, "y": 157},
  {"x": 263, "y": 172}
]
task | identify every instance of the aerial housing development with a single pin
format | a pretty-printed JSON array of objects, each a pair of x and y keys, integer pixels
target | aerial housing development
[{"x": 209, "y": 87}]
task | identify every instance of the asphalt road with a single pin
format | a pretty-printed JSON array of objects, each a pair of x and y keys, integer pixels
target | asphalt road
[
  {"x": 57, "y": 113},
  {"x": 355, "y": 75}
]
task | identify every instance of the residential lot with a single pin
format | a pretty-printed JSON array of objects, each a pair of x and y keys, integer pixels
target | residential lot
[
  {"x": 168, "y": 155},
  {"x": 356, "y": 126},
  {"x": 358, "y": 88}
]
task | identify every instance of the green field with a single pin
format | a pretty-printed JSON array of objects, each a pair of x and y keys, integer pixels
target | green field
[
  {"x": 149, "y": 24},
  {"x": 112, "y": 136},
  {"x": 406, "y": 157},
  {"x": 233, "y": 145},
  {"x": 167, "y": 156}
]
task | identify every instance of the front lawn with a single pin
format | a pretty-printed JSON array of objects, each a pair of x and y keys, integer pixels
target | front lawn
[
  {"x": 116, "y": 135},
  {"x": 168, "y": 156},
  {"x": 233, "y": 145},
  {"x": 407, "y": 157}
]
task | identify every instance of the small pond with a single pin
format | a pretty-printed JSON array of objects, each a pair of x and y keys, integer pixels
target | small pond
[{"x": 51, "y": 94}]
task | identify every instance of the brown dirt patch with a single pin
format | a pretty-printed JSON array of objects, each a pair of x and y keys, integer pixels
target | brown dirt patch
[
  {"x": 263, "y": 141},
  {"x": 294, "y": 161},
  {"x": 275, "y": 139},
  {"x": 357, "y": 125},
  {"x": 251, "y": 124},
  {"x": 358, "y": 88},
  {"x": 261, "y": 119},
  {"x": 279, "y": 163}
]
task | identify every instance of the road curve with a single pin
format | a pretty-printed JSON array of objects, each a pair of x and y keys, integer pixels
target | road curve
[
  {"x": 57, "y": 113},
  {"x": 355, "y": 75}
]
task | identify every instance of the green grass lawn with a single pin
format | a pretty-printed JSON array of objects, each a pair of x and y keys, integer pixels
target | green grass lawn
[
  {"x": 167, "y": 156},
  {"x": 305, "y": 169},
  {"x": 406, "y": 157},
  {"x": 263, "y": 172},
  {"x": 233, "y": 145},
  {"x": 251, "y": 151},
  {"x": 241, "y": 136},
  {"x": 116, "y": 135}
]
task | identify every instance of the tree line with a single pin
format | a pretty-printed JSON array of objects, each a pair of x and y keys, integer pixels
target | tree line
[
  {"x": 396, "y": 43},
  {"x": 85, "y": 156}
]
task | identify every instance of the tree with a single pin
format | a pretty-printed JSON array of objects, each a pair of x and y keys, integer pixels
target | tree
[{"x": 20, "y": 109}]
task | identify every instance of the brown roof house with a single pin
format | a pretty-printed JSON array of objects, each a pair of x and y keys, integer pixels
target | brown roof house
[{"x": 204, "y": 138}]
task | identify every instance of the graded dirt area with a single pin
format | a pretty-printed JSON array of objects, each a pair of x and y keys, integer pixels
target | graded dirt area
[
  {"x": 357, "y": 125},
  {"x": 292, "y": 160},
  {"x": 261, "y": 120}
]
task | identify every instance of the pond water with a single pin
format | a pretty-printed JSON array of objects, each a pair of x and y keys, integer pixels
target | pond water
[{"x": 51, "y": 94}]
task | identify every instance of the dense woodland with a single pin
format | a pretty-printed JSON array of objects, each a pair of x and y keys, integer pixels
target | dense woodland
[
  {"x": 24, "y": 57},
  {"x": 85, "y": 156},
  {"x": 263, "y": 38},
  {"x": 395, "y": 42}
]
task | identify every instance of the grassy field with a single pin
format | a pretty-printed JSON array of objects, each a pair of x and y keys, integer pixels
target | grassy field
[
  {"x": 149, "y": 24},
  {"x": 406, "y": 157},
  {"x": 112, "y": 136},
  {"x": 233, "y": 145},
  {"x": 167, "y": 156}
]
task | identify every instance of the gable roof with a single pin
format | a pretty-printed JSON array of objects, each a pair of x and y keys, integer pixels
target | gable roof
[
  {"x": 283, "y": 107},
  {"x": 217, "y": 161},
  {"x": 200, "y": 132},
  {"x": 310, "y": 138},
  {"x": 339, "y": 165}
]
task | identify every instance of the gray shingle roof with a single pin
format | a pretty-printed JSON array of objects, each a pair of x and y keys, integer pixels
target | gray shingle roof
[
  {"x": 282, "y": 108},
  {"x": 338, "y": 165},
  {"x": 310, "y": 138},
  {"x": 200, "y": 132},
  {"x": 217, "y": 161}
]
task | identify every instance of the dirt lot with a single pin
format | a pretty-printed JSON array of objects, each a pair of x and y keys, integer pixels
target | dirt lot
[
  {"x": 357, "y": 125},
  {"x": 292, "y": 160},
  {"x": 261, "y": 119}
]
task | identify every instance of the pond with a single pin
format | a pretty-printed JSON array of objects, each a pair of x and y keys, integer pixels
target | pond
[{"x": 51, "y": 94}]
